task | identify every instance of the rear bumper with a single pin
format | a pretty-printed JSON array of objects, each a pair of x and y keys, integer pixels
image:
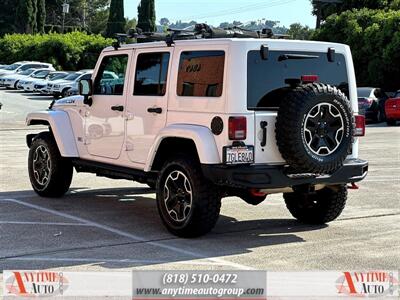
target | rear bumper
[
  {"x": 393, "y": 113},
  {"x": 275, "y": 177}
]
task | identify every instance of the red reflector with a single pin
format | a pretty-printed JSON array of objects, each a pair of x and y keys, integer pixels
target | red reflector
[
  {"x": 309, "y": 78},
  {"x": 360, "y": 126},
  {"x": 237, "y": 128}
]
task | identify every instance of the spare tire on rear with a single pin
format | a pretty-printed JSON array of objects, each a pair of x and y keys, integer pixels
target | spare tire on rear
[{"x": 314, "y": 128}]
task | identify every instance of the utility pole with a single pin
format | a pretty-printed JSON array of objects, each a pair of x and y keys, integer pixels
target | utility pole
[{"x": 65, "y": 10}]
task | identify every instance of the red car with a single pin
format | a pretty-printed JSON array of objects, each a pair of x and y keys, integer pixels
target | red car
[{"x": 392, "y": 109}]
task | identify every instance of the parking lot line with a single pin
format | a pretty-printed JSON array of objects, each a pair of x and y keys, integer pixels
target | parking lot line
[
  {"x": 107, "y": 260},
  {"x": 43, "y": 223},
  {"x": 193, "y": 254}
]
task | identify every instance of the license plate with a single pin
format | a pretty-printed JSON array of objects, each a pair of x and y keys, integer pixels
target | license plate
[{"x": 239, "y": 155}]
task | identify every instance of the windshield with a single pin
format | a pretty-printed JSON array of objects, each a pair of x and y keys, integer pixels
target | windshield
[
  {"x": 364, "y": 92},
  {"x": 267, "y": 79},
  {"x": 12, "y": 67},
  {"x": 58, "y": 76},
  {"x": 72, "y": 77},
  {"x": 41, "y": 74}
]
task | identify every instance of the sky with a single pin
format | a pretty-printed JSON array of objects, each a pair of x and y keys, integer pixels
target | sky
[{"x": 215, "y": 12}]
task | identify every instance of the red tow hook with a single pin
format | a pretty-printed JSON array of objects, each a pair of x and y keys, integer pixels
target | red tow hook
[
  {"x": 257, "y": 193},
  {"x": 353, "y": 186}
]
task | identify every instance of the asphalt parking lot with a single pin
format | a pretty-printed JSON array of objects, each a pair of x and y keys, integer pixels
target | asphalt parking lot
[{"x": 110, "y": 225}]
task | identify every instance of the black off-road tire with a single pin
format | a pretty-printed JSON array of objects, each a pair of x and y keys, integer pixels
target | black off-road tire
[
  {"x": 60, "y": 170},
  {"x": 291, "y": 135},
  {"x": 320, "y": 207},
  {"x": 206, "y": 199}
]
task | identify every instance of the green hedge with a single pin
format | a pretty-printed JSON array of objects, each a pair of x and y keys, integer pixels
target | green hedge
[
  {"x": 374, "y": 38},
  {"x": 70, "y": 51}
]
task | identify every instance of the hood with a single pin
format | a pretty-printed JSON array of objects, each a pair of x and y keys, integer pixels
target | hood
[
  {"x": 6, "y": 72},
  {"x": 15, "y": 76},
  {"x": 76, "y": 100},
  {"x": 58, "y": 81},
  {"x": 41, "y": 81},
  {"x": 27, "y": 80},
  {"x": 62, "y": 82}
]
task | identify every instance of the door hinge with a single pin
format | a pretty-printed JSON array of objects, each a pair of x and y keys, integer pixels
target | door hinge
[{"x": 128, "y": 147}]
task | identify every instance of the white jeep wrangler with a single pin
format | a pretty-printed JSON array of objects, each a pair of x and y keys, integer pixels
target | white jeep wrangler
[{"x": 202, "y": 119}]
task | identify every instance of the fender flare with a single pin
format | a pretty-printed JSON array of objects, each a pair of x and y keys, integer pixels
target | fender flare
[
  {"x": 200, "y": 135},
  {"x": 61, "y": 128}
]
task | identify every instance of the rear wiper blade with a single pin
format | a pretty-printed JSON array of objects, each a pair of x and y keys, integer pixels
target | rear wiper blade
[{"x": 296, "y": 56}]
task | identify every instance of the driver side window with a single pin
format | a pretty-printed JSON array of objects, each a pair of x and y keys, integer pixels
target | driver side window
[{"x": 110, "y": 79}]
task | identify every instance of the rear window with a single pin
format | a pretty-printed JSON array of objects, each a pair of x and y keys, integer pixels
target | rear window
[{"x": 266, "y": 78}]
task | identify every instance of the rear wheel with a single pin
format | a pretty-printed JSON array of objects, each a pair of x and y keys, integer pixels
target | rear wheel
[
  {"x": 50, "y": 174},
  {"x": 318, "y": 207},
  {"x": 188, "y": 204}
]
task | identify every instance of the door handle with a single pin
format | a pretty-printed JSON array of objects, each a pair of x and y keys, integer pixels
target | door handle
[
  {"x": 156, "y": 110},
  {"x": 264, "y": 125},
  {"x": 117, "y": 108}
]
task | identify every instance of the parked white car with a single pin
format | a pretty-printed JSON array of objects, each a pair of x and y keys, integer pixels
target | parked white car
[
  {"x": 11, "y": 81},
  {"x": 61, "y": 87},
  {"x": 28, "y": 84},
  {"x": 38, "y": 74},
  {"x": 19, "y": 67},
  {"x": 40, "y": 86}
]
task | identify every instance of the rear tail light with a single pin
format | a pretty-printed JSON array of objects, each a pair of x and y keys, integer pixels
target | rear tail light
[
  {"x": 237, "y": 128},
  {"x": 360, "y": 126}
]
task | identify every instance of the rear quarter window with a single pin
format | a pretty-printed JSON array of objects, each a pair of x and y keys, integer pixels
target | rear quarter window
[{"x": 201, "y": 74}]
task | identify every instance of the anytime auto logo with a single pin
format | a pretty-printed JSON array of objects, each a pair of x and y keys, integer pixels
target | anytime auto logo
[
  {"x": 35, "y": 283},
  {"x": 368, "y": 284}
]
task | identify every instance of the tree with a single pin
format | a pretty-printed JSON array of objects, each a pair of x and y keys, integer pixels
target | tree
[
  {"x": 116, "y": 19},
  {"x": 324, "y": 8},
  {"x": 147, "y": 16},
  {"x": 33, "y": 19},
  {"x": 130, "y": 23},
  {"x": 164, "y": 22},
  {"x": 7, "y": 17},
  {"x": 24, "y": 16},
  {"x": 300, "y": 32},
  {"x": 41, "y": 15},
  {"x": 374, "y": 37}
]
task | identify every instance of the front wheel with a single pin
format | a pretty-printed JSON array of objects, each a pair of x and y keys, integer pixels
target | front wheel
[
  {"x": 50, "y": 174},
  {"x": 64, "y": 93},
  {"x": 188, "y": 204},
  {"x": 319, "y": 207}
]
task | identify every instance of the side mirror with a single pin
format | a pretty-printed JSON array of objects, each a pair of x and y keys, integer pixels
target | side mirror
[{"x": 85, "y": 89}]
